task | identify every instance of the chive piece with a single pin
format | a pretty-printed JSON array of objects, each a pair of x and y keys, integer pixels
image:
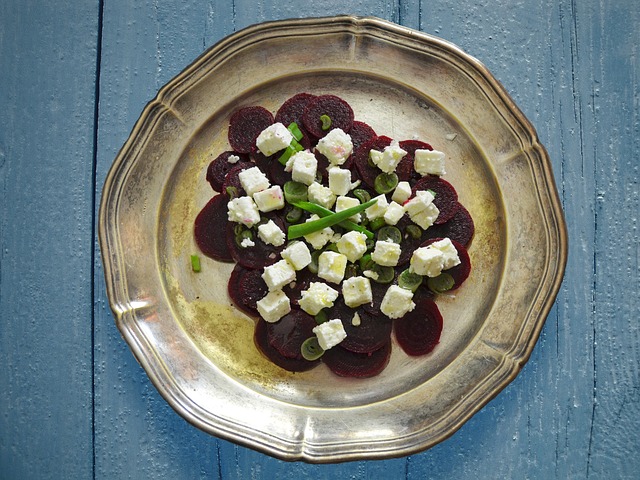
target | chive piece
[
  {"x": 377, "y": 223},
  {"x": 326, "y": 122},
  {"x": 409, "y": 280},
  {"x": 390, "y": 233},
  {"x": 385, "y": 182},
  {"x": 366, "y": 263},
  {"x": 300, "y": 230},
  {"x": 195, "y": 263},
  {"x": 295, "y": 131},
  {"x": 324, "y": 212},
  {"x": 293, "y": 147},
  {"x": 321, "y": 317},
  {"x": 441, "y": 283},
  {"x": 414, "y": 231},
  {"x": 232, "y": 192},
  {"x": 311, "y": 349},
  {"x": 361, "y": 195},
  {"x": 294, "y": 215}
]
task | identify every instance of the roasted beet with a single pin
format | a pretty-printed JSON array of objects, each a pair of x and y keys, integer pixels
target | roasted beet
[
  {"x": 287, "y": 334},
  {"x": 232, "y": 179},
  {"x": 459, "y": 272},
  {"x": 371, "y": 334},
  {"x": 459, "y": 228},
  {"x": 220, "y": 166},
  {"x": 446, "y": 197},
  {"x": 339, "y": 111},
  {"x": 261, "y": 340},
  {"x": 360, "y": 365},
  {"x": 257, "y": 256},
  {"x": 245, "y": 288},
  {"x": 405, "y": 168},
  {"x": 293, "y": 109},
  {"x": 212, "y": 220},
  {"x": 418, "y": 332},
  {"x": 368, "y": 173},
  {"x": 360, "y": 134},
  {"x": 245, "y": 125}
]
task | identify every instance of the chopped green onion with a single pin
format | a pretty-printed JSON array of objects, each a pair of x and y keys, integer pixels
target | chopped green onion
[
  {"x": 366, "y": 263},
  {"x": 311, "y": 349},
  {"x": 325, "y": 212},
  {"x": 313, "y": 266},
  {"x": 195, "y": 263},
  {"x": 409, "y": 280},
  {"x": 321, "y": 317},
  {"x": 293, "y": 147},
  {"x": 385, "y": 182},
  {"x": 441, "y": 283},
  {"x": 326, "y": 122},
  {"x": 295, "y": 192},
  {"x": 361, "y": 195},
  {"x": 243, "y": 235},
  {"x": 414, "y": 231},
  {"x": 294, "y": 215},
  {"x": 300, "y": 230},
  {"x": 295, "y": 131},
  {"x": 238, "y": 228},
  {"x": 385, "y": 274},
  {"x": 390, "y": 233},
  {"x": 232, "y": 192},
  {"x": 377, "y": 223}
]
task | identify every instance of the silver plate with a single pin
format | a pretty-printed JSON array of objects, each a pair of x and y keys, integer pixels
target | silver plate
[{"x": 198, "y": 350}]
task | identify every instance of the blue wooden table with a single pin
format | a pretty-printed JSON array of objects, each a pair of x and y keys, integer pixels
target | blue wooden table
[{"x": 75, "y": 76}]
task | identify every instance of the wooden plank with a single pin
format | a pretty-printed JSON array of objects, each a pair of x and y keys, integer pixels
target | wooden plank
[{"x": 47, "y": 83}]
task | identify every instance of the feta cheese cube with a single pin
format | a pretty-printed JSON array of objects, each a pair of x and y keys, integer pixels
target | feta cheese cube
[
  {"x": 274, "y": 138},
  {"x": 397, "y": 302},
  {"x": 402, "y": 192},
  {"x": 420, "y": 202},
  {"x": 304, "y": 166},
  {"x": 321, "y": 195},
  {"x": 269, "y": 199},
  {"x": 319, "y": 238},
  {"x": 429, "y": 162},
  {"x": 318, "y": 296},
  {"x": 386, "y": 253},
  {"x": 330, "y": 333},
  {"x": 357, "y": 291},
  {"x": 270, "y": 233},
  {"x": 342, "y": 203},
  {"x": 394, "y": 213},
  {"x": 243, "y": 210},
  {"x": 331, "y": 266},
  {"x": 388, "y": 159},
  {"x": 278, "y": 275},
  {"x": 273, "y": 306},
  {"x": 253, "y": 180},
  {"x": 336, "y": 146},
  {"x": 426, "y": 217},
  {"x": 297, "y": 254},
  {"x": 377, "y": 209},
  {"x": 449, "y": 252},
  {"x": 247, "y": 242},
  {"x": 353, "y": 245},
  {"x": 427, "y": 261},
  {"x": 233, "y": 159},
  {"x": 339, "y": 180}
]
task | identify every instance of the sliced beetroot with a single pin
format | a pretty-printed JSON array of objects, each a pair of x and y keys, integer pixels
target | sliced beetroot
[
  {"x": 257, "y": 256},
  {"x": 408, "y": 243},
  {"x": 220, "y": 166},
  {"x": 368, "y": 173},
  {"x": 303, "y": 279},
  {"x": 261, "y": 340},
  {"x": 212, "y": 220},
  {"x": 293, "y": 109},
  {"x": 405, "y": 168},
  {"x": 245, "y": 125},
  {"x": 370, "y": 335},
  {"x": 359, "y": 365},
  {"x": 446, "y": 197},
  {"x": 360, "y": 134},
  {"x": 377, "y": 290},
  {"x": 339, "y": 111},
  {"x": 287, "y": 334},
  {"x": 459, "y": 228},
  {"x": 460, "y": 272},
  {"x": 233, "y": 180},
  {"x": 245, "y": 288},
  {"x": 276, "y": 173},
  {"x": 418, "y": 332}
]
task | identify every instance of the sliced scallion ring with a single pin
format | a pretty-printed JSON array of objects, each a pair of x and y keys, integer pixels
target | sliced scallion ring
[
  {"x": 440, "y": 284},
  {"x": 385, "y": 274},
  {"x": 409, "y": 280},
  {"x": 385, "y": 182},
  {"x": 295, "y": 192},
  {"x": 294, "y": 215},
  {"x": 311, "y": 349},
  {"x": 321, "y": 317},
  {"x": 361, "y": 195},
  {"x": 326, "y": 122},
  {"x": 414, "y": 231},
  {"x": 389, "y": 233}
]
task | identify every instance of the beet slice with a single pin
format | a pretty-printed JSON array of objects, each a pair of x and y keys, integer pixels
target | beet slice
[
  {"x": 220, "y": 166},
  {"x": 245, "y": 288},
  {"x": 294, "y": 290},
  {"x": 371, "y": 335},
  {"x": 259, "y": 255},
  {"x": 460, "y": 272},
  {"x": 261, "y": 340},
  {"x": 459, "y": 228},
  {"x": 233, "y": 180},
  {"x": 212, "y": 220},
  {"x": 360, "y": 134},
  {"x": 367, "y": 172},
  {"x": 377, "y": 290},
  {"x": 418, "y": 332},
  {"x": 405, "y": 168},
  {"x": 446, "y": 198},
  {"x": 339, "y": 111},
  {"x": 344, "y": 363},
  {"x": 245, "y": 125},
  {"x": 287, "y": 334},
  {"x": 293, "y": 109}
]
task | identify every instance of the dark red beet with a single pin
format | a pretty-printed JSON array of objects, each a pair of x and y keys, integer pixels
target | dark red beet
[
  {"x": 360, "y": 134},
  {"x": 258, "y": 256},
  {"x": 446, "y": 198},
  {"x": 260, "y": 338},
  {"x": 287, "y": 334},
  {"x": 372, "y": 333},
  {"x": 293, "y": 109},
  {"x": 405, "y": 168},
  {"x": 276, "y": 173},
  {"x": 339, "y": 111},
  {"x": 367, "y": 172},
  {"x": 246, "y": 287},
  {"x": 418, "y": 332},
  {"x": 303, "y": 279},
  {"x": 460, "y": 272},
  {"x": 233, "y": 180},
  {"x": 212, "y": 220},
  {"x": 359, "y": 365},
  {"x": 218, "y": 168},
  {"x": 459, "y": 228},
  {"x": 378, "y": 290},
  {"x": 245, "y": 125}
]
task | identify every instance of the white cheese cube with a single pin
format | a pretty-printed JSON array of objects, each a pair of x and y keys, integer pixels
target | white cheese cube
[
  {"x": 371, "y": 274},
  {"x": 331, "y": 266},
  {"x": 278, "y": 275},
  {"x": 339, "y": 180},
  {"x": 319, "y": 238},
  {"x": 429, "y": 162},
  {"x": 342, "y": 203},
  {"x": 247, "y": 242},
  {"x": 420, "y": 202},
  {"x": 270, "y": 233},
  {"x": 353, "y": 245},
  {"x": 397, "y": 302},
  {"x": 426, "y": 217},
  {"x": 274, "y": 138},
  {"x": 253, "y": 180},
  {"x": 243, "y": 210},
  {"x": 402, "y": 192},
  {"x": 336, "y": 146},
  {"x": 321, "y": 195},
  {"x": 297, "y": 254},
  {"x": 388, "y": 159},
  {"x": 427, "y": 261},
  {"x": 357, "y": 291},
  {"x": 304, "y": 166},
  {"x": 386, "y": 253},
  {"x": 330, "y": 333},
  {"x": 273, "y": 306},
  {"x": 269, "y": 199},
  {"x": 394, "y": 213},
  {"x": 377, "y": 209},
  {"x": 318, "y": 296},
  {"x": 449, "y": 252}
]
